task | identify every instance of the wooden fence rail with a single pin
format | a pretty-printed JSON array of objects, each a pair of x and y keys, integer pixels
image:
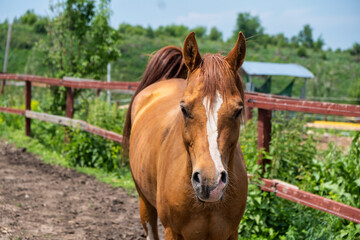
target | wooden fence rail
[
  {"x": 264, "y": 102},
  {"x": 65, "y": 121},
  {"x": 71, "y": 83},
  {"x": 292, "y": 193},
  {"x": 279, "y": 103}
]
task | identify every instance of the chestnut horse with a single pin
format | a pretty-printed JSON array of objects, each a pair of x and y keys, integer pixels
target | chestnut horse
[{"x": 184, "y": 151}]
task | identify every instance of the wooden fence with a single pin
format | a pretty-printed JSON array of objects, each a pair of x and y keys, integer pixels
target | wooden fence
[{"x": 264, "y": 102}]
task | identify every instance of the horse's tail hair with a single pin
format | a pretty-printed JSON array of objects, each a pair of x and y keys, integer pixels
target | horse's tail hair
[{"x": 164, "y": 64}]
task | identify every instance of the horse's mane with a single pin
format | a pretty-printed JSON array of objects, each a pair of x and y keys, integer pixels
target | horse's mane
[{"x": 165, "y": 64}]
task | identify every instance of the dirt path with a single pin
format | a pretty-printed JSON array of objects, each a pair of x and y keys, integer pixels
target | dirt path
[{"x": 40, "y": 201}]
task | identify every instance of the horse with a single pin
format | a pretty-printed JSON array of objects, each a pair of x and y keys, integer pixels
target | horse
[{"x": 182, "y": 130}]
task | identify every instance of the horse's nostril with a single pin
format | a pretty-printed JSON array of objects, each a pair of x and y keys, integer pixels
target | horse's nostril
[
  {"x": 196, "y": 177},
  {"x": 224, "y": 177}
]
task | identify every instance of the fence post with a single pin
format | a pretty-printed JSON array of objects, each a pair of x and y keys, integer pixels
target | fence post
[
  {"x": 69, "y": 110},
  {"x": 264, "y": 134},
  {"x": 28, "y": 107},
  {"x": 69, "y": 102}
]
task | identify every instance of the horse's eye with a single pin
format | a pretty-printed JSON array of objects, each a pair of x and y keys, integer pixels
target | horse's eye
[
  {"x": 237, "y": 113},
  {"x": 183, "y": 110}
]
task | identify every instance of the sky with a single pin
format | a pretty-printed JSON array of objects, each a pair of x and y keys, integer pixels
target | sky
[{"x": 338, "y": 22}]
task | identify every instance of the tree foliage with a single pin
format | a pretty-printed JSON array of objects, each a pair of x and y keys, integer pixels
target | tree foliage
[
  {"x": 128, "y": 29},
  {"x": 173, "y": 31},
  {"x": 215, "y": 34},
  {"x": 355, "y": 50},
  {"x": 28, "y": 18},
  {"x": 37, "y": 22},
  {"x": 80, "y": 40},
  {"x": 199, "y": 31},
  {"x": 305, "y": 36},
  {"x": 249, "y": 25},
  {"x": 80, "y": 43}
]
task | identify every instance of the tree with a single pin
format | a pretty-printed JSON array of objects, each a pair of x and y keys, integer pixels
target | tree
[
  {"x": 249, "y": 25},
  {"x": 128, "y": 29},
  {"x": 200, "y": 31},
  {"x": 80, "y": 43},
  {"x": 281, "y": 40},
  {"x": 215, "y": 35},
  {"x": 38, "y": 23},
  {"x": 305, "y": 36},
  {"x": 80, "y": 40},
  {"x": 355, "y": 49},
  {"x": 172, "y": 31},
  {"x": 294, "y": 41},
  {"x": 319, "y": 43},
  {"x": 150, "y": 32},
  {"x": 28, "y": 18}
]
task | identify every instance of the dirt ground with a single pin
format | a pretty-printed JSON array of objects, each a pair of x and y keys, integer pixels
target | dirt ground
[{"x": 40, "y": 201}]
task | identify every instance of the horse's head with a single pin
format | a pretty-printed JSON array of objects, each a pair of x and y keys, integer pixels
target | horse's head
[{"x": 211, "y": 106}]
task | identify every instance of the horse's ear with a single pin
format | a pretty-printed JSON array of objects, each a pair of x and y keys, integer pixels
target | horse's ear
[
  {"x": 236, "y": 56},
  {"x": 191, "y": 53}
]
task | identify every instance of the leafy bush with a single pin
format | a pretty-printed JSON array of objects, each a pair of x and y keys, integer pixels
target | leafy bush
[
  {"x": 295, "y": 160},
  {"x": 86, "y": 149},
  {"x": 301, "y": 52},
  {"x": 323, "y": 56}
]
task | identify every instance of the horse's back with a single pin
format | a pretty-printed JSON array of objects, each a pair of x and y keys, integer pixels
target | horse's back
[
  {"x": 154, "y": 110},
  {"x": 166, "y": 91}
]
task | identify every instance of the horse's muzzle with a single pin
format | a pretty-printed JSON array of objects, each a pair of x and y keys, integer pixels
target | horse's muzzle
[{"x": 207, "y": 192}]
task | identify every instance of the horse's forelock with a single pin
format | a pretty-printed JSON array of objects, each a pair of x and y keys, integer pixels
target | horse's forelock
[{"x": 218, "y": 76}]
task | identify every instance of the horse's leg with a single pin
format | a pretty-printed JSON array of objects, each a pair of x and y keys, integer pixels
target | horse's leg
[
  {"x": 170, "y": 235},
  {"x": 234, "y": 236},
  {"x": 148, "y": 217}
]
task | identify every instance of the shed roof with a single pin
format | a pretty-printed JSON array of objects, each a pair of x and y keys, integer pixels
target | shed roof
[{"x": 276, "y": 69}]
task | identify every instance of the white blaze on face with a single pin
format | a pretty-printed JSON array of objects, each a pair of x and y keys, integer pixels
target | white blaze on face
[{"x": 212, "y": 130}]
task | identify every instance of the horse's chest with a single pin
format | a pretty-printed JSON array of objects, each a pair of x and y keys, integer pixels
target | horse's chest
[
  {"x": 201, "y": 224},
  {"x": 213, "y": 226}
]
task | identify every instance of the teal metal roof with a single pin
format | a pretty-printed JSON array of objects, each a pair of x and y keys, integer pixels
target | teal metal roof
[{"x": 276, "y": 69}]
